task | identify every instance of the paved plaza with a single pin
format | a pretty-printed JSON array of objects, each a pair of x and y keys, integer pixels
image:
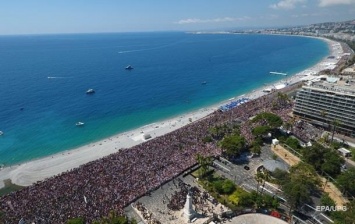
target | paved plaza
[{"x": 156, "y": 202}]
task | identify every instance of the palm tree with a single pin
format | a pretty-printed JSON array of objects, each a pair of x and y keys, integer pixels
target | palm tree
[
  {"x": 324, "y": 114},
  {"x": 266, "y": 177},
  {"x": 282, "y": 98},
  {"x": 335, "y": 124},
  {"x": 259, "y": 178},
  {"x": 204, "y": 162}
]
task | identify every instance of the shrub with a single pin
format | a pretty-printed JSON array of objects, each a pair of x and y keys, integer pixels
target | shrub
[{"x": 228, "y": 187}]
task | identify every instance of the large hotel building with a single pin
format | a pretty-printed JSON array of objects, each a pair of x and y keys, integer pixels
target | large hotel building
[{"x": 325, "y": 101}]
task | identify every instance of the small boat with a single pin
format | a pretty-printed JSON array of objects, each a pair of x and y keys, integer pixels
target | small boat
[
  {"x": 1, "y": 133},
  {"x": 128, "y": 67},
  {"x": 204, "y": 83},
  {"x": 90, "y": 91},
  {"x": 79, "y": 123}
]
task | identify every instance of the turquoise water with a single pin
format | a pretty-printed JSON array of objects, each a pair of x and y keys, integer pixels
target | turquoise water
[{"x": 165, "y": 82}]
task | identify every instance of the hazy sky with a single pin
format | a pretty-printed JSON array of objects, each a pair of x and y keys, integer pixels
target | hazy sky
[{"x": 83, "y": 16}]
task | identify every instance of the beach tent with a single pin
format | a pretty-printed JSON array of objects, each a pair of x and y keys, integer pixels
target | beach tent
[{"x": 146, "y": 136}]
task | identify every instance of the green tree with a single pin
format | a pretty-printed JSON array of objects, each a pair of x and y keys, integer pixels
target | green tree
[
  {"x": 270, "y": 201},
  {"x": 314, "y": 155},
  {"x": 346, "y": 181},
  {"x": 345, "y": 217},
  {"x": 293, "y": 143},
  {"x": 325, "y": 200},
  {"x": 256, "y": 148},
  {"x": 260, "y": 130},
  {"x": 302, "y": 181},
  {"x": 218, "y": 186},
  {"x": 273, "y": 120},
  {"x": 281, "y": 176},
  {"x": 228, "y": 187},
  {"x": 232, "y": 145},
  {"x": 332, "y": 163}
]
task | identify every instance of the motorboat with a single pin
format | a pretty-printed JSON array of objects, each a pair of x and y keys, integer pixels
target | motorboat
[
  {"x": 90, "y": 91},
  {"x": 1, "y": 133},
  {"x": 204, "y": 83},
  {"x": 128, "y": 67},
  {"x": 79, "y": 123}
]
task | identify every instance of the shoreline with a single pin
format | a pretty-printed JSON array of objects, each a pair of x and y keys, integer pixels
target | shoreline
[{"x": 27, "y": 173}]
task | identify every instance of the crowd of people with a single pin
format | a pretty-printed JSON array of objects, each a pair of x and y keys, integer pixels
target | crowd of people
[
  {"x": 93, "y": 190},
  {"x": 146, "y": 214},
  {"x": 305, "y": 131},
  {"x": 178, "y": 199}
]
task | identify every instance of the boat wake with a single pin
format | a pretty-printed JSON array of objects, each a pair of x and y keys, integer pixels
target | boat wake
[
  {"x": 149, "y": 49},
  {"x": 59, "y": 77}
]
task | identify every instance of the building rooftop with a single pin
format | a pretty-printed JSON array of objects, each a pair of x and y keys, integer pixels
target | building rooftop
[{"x": 345, "y": 85}]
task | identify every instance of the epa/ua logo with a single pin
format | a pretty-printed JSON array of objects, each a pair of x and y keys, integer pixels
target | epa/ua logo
[{"x": 323, "y": 208}]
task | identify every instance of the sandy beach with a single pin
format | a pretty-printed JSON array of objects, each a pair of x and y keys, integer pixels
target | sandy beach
[{"x": 30, "y": 172}]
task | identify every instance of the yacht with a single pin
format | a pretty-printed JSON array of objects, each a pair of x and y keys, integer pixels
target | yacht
[
  {"x": 90, "y": 91},
  {"x": 128, "y": 67},
  {"x": 79, "y": 123}
]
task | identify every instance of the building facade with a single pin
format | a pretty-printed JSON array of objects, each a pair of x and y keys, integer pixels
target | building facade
[{"x": 328, "y": 105}]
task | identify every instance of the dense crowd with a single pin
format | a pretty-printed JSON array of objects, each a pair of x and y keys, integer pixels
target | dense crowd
[
  {"x": 178, "y": 199},
  {"x": 113, "y": 182},
  {"x": 305, "y": 131}
]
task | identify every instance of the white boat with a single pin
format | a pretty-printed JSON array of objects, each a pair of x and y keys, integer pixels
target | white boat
[
  {"x": 90, "y": 91},
  {"x": 79, "y": 123},
  {"x": 278, "y": 73},
  {"x": 128, "y": 67},
  {"x": 1, "y": 133}
]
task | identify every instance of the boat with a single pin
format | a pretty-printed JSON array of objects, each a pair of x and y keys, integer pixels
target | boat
[
  {"x": 1, "y": 133},
  {"x": 278, "y": 73},
  {"x": 204, "y": 83},
  {"x": 90, "y": 91},
  {"x": 128, "y": 67},
  {"x": 79, "y": 123}
]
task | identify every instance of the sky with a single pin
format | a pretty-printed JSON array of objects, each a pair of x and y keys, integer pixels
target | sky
[{"x": 93, "y": 16}]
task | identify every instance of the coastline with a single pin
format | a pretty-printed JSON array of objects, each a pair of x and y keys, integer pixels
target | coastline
[{"x": 30, "y": 172}]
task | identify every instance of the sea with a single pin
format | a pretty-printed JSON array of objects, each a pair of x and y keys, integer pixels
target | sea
[{"x": 44, "y": 79}]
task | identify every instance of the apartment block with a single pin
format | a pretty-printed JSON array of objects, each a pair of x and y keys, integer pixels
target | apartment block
[{"x": 327, "y": 102}]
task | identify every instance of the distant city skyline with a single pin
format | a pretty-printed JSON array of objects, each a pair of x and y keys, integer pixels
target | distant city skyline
[{"x": 94, "y": 16}]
